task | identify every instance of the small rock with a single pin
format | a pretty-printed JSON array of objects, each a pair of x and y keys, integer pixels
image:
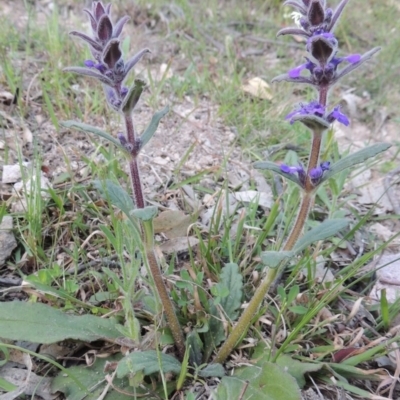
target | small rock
[
  {"x": 7, "y": 239},
  {"x": 12, "y": 173}
]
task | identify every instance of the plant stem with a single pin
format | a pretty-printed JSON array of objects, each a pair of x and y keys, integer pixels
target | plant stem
[
  {"x": 161, "y": 289},
  {"x": 148, "y": 240},
  {"x": 244, "y": 321}
]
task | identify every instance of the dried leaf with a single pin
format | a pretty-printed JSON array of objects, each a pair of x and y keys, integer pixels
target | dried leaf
[
  {"x": 257, "y": 87},
  {"x": 173, "y": 223}
]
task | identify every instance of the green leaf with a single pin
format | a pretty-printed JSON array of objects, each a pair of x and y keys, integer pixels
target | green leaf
[
  {"x": 133, "y": 96},
  {"x": 145, "y": 214},
  {"x": 301, "y": 310},
  {"x": 149, "y": 362},
  {"x": 212, "y": 370},
  {"x": 271, "y": 166},
  {"x": 152, "y": 127},
  {"x": 116, "y": 195},
  {"x": 324, "y": 230},
  {"x": 216, "y": 333},
  {"x": 6, "y": 386},
  {"x": 38, "y": 323},
  {"x": 195, "y": 347},
  {"x": 93, "y": 378},
  {"x": 265, "y": 382},
  {"x": 297, "y": 368},
  {"x": 91, "y": 129},
  {"x": 356, "y": 158},
  {"x": 232, "y": 279},
  {"x": 273, "y": 258},
  {"x": 385, "y": 309}
]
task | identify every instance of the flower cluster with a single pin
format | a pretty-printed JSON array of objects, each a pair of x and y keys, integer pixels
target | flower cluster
[
  {"x": 315, "y": 174},
  {"x": 315, "y": 109},
  {"x": 316, "y": 24},
  {"x": 108, "y": 65}
]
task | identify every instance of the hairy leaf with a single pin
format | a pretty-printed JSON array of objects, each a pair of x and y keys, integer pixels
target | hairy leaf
[
  {"x": 133, "y": 96},
  {"x": 94, "y": 379},
  {"x": 145, "y": 214},
  {"x": 149, "y": 362},
  {"x": 195, "y": 347},
  {"x": 273, "y": 258},
  {"x": 116, "y": 194},
  {"x": 212, "y": 370},
  {"x": 91, "y": 129},
  {"x": 267, "y": 382},
  {"x": 297, "y": 368},
  {"x": 271, "y": 166},
  {"x": 152, "y": 127},
  {"x": 38, "y": 323},
  {"x": 356, "y": 158},
  {"x": 233, "y": 280},
  {"x": 324, "y": 230}
]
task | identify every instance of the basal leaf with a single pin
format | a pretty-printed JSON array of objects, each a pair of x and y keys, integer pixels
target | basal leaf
[
  {"x": 356, "y": 158},
  {"x": 145, "y": 214},
  {"x": 149, "y": 362},
  {"x": 38, "y": 323},
  {"x": 297, "y": 369},
  {"x": 233, "y": 280},
  {"x": 195, "y": 347},
  {"x": 212, "y": 370},
  {"x": 271, "y": 166},
  {"x": 117, "y": 195},
  {"x": 91, "y": 129},
  {"x": 324, "y": 230},
  {"x": 152, "y": 127},
  {"x": 94, "y": 379},
  {"x": 266, "y": 382},
  {"x": 273, "y": 258}
]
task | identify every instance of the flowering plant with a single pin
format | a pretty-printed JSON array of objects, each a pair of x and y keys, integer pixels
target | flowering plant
[{"x": 322, "y": 70}]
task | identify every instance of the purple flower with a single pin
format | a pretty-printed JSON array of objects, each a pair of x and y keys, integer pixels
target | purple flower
[
  {"x": 316, "y": 111},
  {"x": 337, "y": 115},
  {"x": 313, "y": 108},
  {"x": 325, "y": 165},
  {"x": 315, "y": 174},
  {"x": 296, "y": 169},
  {"x": 295, "y": 72},
  {"x": 287, "y": 169}
]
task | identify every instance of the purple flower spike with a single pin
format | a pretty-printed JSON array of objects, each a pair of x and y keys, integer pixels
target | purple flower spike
[{"x": 337, "y": 115}]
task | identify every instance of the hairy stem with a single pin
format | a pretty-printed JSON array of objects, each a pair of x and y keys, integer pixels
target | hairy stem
[
  {"x": 245, "y": 319},
  {"x": 161, "y": 289},
  {"x": 148, "y": 240}
]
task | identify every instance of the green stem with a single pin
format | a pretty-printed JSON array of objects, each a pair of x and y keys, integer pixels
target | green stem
[
  {"x": 245, "y": 319},
  {"x": 148, "y": 236},
  {"x": 148, "y": 240}
]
